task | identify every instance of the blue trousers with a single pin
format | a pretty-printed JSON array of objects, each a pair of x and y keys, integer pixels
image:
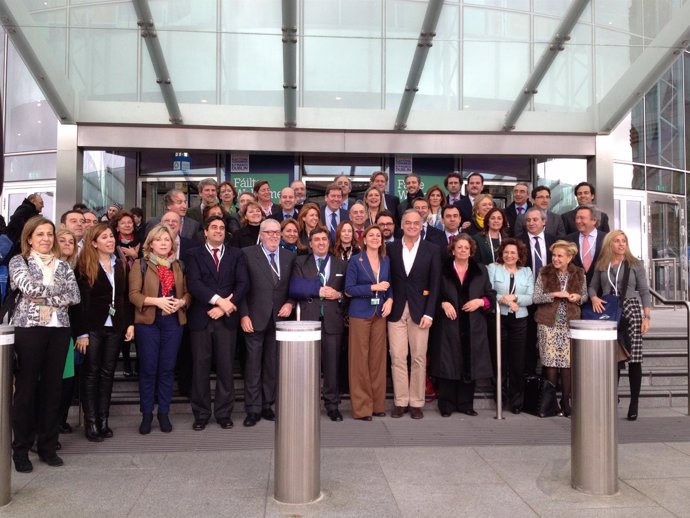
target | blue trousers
[{"x": 157, "y": 346}]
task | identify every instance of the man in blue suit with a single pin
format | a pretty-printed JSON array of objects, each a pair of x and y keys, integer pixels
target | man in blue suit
[
  {"x": 416, "y": 278},
  {"x": 331, "y": 213},
  {"x": 217, "y": 279}
]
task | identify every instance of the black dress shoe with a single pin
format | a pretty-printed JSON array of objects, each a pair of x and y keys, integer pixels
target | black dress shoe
[
  {"x": 65, "y": 428},
  {"x": 379, "y": 414},
  {"x": 365, "y": 418},
  {"x": 91, "y": 433},
  {"x": 225, "y": 423},
  {"x": 470, "y": 412},
  {"x": 632, "y": 417},
  {"x": 53, "y": 461},
  {"x": 251, "y": 419},
  {"x": 199, "y": 424},
  {"x": 268, "y": 414},
  {"x": 335, "y": 415},
  {"x": 145, "y": 426},
  {"x": 445, "y": 414},
  {"x": 164, "y": 423},
  {"x": 516, "y": 410},
  {"x": 23, "y": 464}
]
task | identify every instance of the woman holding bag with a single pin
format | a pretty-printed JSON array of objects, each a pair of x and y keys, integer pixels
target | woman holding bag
[{"x": 615, "y": 265}]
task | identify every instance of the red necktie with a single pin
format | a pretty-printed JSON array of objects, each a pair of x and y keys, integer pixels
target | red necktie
[
  {"x": 359, "y": 235},
  {"x": 216, "y": 259},
  {"x": 451, "y": 239}
]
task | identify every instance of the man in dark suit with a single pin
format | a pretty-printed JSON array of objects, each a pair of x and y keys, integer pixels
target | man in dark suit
[
  {"x": 453, "y": 184},
  {"x": 428, "y": 233},
  {"x": 450, "y": 214},
  {"x": 588, "y": 239},
  {"x": 584, "y": 192},
  {"x": 415, "y": 278},
  {"x": 345, "y": 185},
  {"x": 538, "y": 243},
  {"x": 176, "y": 201},
  {"x": 331, "y": 213},
  {"x": 318, "y": 283},
  {"x": 474, "y": 187},
  {"x": 287, "y": 208},
  {"x": 518, "y": 207},
  {"x": 390, "y": 232},
  {"x": 172, "y": 220},
  {"x": 380, "y": 179},
  {"x": 270, "y": 269},
  {"x": 208, "y": 193},
  {"x": 413, "y": 185},
  {"x": 217, "y": 279},
  {"x": 542, "y": 200}
]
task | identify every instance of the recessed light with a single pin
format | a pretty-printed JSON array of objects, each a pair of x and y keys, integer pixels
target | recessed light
[
  {"x": 204, "y": 101},
  {"x": 38, "y": 104},
  {"x": 466, "y": 106},
  {"x": 338, "y": 98},
  {"x": 38, "y": 122}
]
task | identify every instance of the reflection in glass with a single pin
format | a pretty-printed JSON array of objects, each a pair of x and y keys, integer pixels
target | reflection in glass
[
  {"x": 255, "y": 17},
  {"x": 628, "y": 176},
  {"x": 627, "y": 139},
  {"x": 633, "y": 226},
  {"x": 664, "y": 121},
  {"x": 161, "y": 162},
  {"x": 664, "y": 221},
  {"x": 30, "y": 167},
  {"x": 514, "y": 168},
  {"x": 104, "y": 178},
  {"x": 614, "y": 53},
  {"x": 663, "y": 180},
  {"x": 360, "y": 18},
  {"x": 561, "y": 175}
]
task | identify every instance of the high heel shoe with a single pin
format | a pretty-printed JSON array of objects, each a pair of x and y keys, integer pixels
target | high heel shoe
[
  {"x": 632, "y": 411},
  {"x": 565, "y": 407}
]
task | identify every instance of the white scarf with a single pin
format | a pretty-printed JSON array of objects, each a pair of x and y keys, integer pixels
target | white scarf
[{"x": 47, "y": 263}]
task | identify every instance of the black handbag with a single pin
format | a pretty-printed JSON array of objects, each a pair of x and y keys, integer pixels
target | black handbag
[{"x": 540, "y": 397}]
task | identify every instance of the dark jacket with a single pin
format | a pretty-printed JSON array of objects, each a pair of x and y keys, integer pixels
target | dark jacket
[
  {"x": 511, "y": 215},
  {"x": 450, "y": 339},
  {"x": 92, "y": 311},
  {"x": 570, "y": 226},
  {"x": 305, "y": 286},
  {"x": 22, "y": 214},
  {"x": 577, "y": 260}
]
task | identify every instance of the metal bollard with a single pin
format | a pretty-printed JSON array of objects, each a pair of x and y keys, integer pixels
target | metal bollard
[
  {"x": 593, "y": 425},
  {"x": 298, "y": 413},
  {"x": 6, "y": 348}
]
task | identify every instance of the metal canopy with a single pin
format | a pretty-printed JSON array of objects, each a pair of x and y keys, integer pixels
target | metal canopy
[
  {"x": 153, "y": 45},
  {"x": 353, "y": 66}
]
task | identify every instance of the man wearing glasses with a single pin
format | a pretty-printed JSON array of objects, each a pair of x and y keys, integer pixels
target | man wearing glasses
[
  {"x": 542, "y": 200},
  {"x": 267, "y": 302}
]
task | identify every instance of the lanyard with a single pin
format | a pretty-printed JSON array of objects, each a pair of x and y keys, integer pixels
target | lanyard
[
  {"x": 275, "y": 254},
  {"x": 608, "y": 274},
  {"x": 511, "y": 290},
  {"x": 538, "y": 252},
  {"x": 489, "y": 240},
  {"x": 322, "y": 268},
  {"x": 111, "y": 278}
]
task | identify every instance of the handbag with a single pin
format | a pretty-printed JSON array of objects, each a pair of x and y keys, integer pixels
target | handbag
[
  {"x": 613, "y": 309},
  {"x": 540, "y": 397}
]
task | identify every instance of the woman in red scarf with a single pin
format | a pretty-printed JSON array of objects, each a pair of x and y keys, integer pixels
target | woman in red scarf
[{"x": 158, "y": 290}]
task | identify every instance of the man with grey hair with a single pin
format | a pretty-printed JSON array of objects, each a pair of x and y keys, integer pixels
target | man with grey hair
[
  {"x": 208, "y": 192},
  {"x": 269, "y": 270},
  {"x": 300, "y": 192},
  {"x": 345, "y": 185},
  {"x": 541, "y": 195},
  {"x": 176, "y": 201},
  {"x": 588, "y": 238}
]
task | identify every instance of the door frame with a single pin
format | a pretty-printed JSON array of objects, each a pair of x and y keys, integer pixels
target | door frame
[{"x": 27, "y": 187}]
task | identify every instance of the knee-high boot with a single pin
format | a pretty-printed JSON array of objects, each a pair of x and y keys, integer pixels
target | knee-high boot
[{"x": 635, "y": 379}]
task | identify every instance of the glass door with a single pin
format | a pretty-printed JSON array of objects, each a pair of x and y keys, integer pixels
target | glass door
[
  {"x": 14, "y": 193},
  {"x": 630, "y": 216},
  {"x": 152, "y": 191},
  {"x": 667, "y": 245}
]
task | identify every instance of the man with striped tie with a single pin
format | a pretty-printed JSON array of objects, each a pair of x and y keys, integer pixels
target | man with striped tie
[{"x": 587, "y": 238}]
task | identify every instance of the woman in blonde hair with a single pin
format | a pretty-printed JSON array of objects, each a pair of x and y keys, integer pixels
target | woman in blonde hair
[
  {"x": 615, "y": 262},
  {"x": 103, "y": 319},
  {"x": 46, "y": 288},
  {"x": 483, "y": 203},
  {"x": 158, "y": 290}
]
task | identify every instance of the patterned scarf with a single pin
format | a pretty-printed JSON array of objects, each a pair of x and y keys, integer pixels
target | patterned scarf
[{"x": 166, "y": 276}]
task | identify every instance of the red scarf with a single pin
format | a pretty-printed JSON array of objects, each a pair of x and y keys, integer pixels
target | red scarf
[{"x": 167, "y": 280}]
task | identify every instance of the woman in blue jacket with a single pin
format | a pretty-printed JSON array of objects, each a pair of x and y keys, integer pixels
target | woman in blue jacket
[
  {"x": 514, "y": 285},
  {"x": 367, "y": 282}
]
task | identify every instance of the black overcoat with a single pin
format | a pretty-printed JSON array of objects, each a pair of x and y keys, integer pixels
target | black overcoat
[{"x": 447, "y": 349}]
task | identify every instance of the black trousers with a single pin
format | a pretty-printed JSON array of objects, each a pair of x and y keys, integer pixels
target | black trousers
[
  {"x": 260, "y": 369},
  {"x": 41, "y": 354},
  {"x": 216, "y": 342},
  {"x": 531, "y": 348},
  {"x": 513, "y": 345},
  {"x": 455, "y": 395},
  {"x": 330, "y": 364},
  {"x": 98, "y": 371}
]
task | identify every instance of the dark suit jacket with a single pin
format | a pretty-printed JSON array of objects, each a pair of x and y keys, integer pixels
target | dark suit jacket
[
  {"x": 419, "y": 289},
  {"x": 305, "y": 286},
  {"x": 511, "y": 215},
  {"x": 465, "y": 206},
  {"x": 91, "y": 313},
  {"x": 550, "y": 240},
  {"x": 277, "y": 213},
  {"x": 343, "y": 215},
  {"x": 204, "y": 281},
  {"x": 577, "y": 261},
  {"x": 190, "y": 229},
  {"x": 195, "y": 213},
  {"x": 554, "y": 225},
  {"x": 437, "y": 237},
  {"x": 407, "y": 203},
  {"x": 265, "y": 298},
  {"x": 570, "y": 227},
  {"x": 186, "y": 245},
  {"x": 392, "y": 203}
]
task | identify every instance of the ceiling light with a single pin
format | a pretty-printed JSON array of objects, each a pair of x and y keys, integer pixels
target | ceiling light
[
  {"x": 204, "y": 101},
  {"x": 338, "y": 98}
]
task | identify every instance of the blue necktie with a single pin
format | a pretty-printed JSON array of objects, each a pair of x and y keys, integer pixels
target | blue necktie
[
  {"x": 537, "y": 256},
  {"x": 334, "y": 225}
]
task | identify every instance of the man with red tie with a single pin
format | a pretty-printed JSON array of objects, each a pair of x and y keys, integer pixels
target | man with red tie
[
  {"x": 587, "y": 238},
  {"x": 450, "y": 214}
]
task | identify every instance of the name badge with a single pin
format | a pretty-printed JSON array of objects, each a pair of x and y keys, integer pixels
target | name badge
[
  {"x": 111, "y": 311},
  {"x": 375, "y": 301}
]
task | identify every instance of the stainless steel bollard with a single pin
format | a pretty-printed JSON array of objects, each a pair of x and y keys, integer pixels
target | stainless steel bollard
[
  {"x": 594, "y": 420},
  {"x": 298, "y": 413},
  {"x": 6, "y": 348}
]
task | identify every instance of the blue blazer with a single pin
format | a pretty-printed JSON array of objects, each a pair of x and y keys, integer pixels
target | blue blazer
[
  {"x": 358, "y": 280},
  {"x": 524, "y": 286}
]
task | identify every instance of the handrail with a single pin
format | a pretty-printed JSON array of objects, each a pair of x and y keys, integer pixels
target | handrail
[
  {"x": 499, "y": 365},
  {"x": 686, "y": 305}
]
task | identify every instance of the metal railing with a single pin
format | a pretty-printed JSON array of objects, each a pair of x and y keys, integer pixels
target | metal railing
[
  {"x": 686, "y": 305},
  {"x": 499, "y": 365}
]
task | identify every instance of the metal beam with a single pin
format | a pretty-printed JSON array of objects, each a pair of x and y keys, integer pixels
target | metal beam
[
  {"x": 153, "y": 45},
  {"x": 646, "y": 70},
  {"x": 424, "y": 43},
  {"x": 556, "y": 45},
  {"x": 289, "y": 29},
  {"x": 44, "y": 75}
]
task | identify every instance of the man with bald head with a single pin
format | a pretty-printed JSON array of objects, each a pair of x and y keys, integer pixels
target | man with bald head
[
  {"x": 300, "y": 192},
  {"x": 287, "y": 208}
]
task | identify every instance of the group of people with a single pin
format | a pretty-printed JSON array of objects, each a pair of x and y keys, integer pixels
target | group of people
[{"x": 418, "y": 279}]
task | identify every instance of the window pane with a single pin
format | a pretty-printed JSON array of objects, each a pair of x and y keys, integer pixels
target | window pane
[
  {"x": 31, "y": 124},
  {"x": 628, "y": 137},
  {"x": 663, "y": 180},
  {"x": 30, "y": 167},
  {"x": 614, "y": 53},
  {"x": 162, "y": 163},
  {"x": 255, "y": 17},
  {"x": 104, "y": 178},
  {"x": 184, "y": 14},
  {"x": 628, "y": 176},
  {"x": 517, "y": 5},
  {"x": 561, "y": 175},
  {"x": 361, "y": 18}
]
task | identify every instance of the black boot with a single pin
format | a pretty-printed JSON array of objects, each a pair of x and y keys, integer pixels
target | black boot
[
  {"x": 635, "y": 379},
  {"x": 164, "y": 423},
  {"x": 91, "y": 431},
  {"x": 145, "y": 426},
  {"x": 103, "y": 428}
]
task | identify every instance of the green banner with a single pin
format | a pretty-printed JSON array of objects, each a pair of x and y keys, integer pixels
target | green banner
[
  {"x": 427, "y": 181},
  {"x": 244, "y": 182}
]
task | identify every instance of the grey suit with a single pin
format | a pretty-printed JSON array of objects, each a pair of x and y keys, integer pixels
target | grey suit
[
  {"x": 262, "y": 304},
  {"x": 190, "y": 227},
  {"x": 554, "y": 225}
]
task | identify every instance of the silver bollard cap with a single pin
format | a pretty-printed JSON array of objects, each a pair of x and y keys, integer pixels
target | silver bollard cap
[{"x": 593, "y": 325}]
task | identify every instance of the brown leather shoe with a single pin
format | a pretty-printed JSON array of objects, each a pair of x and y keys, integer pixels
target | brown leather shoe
[
  {"x": 398, "y": 411},
  {"x": 416, "y": 412}
]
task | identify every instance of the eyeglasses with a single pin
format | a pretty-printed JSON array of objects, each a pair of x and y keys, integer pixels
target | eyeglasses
[{"x": 271, "y": 232}]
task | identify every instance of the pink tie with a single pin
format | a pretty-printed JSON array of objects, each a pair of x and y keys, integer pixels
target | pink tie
[
  {"x": 587, "y": 253},
  {"x": 216, "y": 259}
]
